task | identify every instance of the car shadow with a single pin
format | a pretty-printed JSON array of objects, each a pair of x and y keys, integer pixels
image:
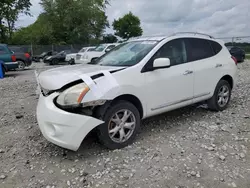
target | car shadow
[
  {"x": 12, "y": 74},
  {"x": 91, "y": 147}
]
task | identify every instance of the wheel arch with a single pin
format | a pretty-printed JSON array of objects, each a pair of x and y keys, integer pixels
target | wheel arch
[
  {"x": 132, "y": 99},
  {"x": 229, "y": 79}
]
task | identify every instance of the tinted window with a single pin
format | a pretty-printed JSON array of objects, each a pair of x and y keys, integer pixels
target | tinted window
[
  {"x": 199, "y": 49},
  {"x": 2, "y": 50},
  {"x": 216, "y": 47},
  {"x": 175, "y": 50}
]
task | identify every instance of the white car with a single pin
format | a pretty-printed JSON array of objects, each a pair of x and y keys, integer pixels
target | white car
[
  {"x": 72, "y": 57},
  {"x": 94, "y": 54},
  {"x": 142, "y": 78}
]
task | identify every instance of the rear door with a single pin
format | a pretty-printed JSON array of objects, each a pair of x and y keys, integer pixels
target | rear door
[{"x": 206, "y": 66}]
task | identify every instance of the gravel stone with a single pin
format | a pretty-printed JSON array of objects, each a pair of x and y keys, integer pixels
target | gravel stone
[
  {"x": 222, "y": 157},
  {"x": 242, "y": 155},
  {"x": 3, "y": 176},
  {"x": 188, "y": 147}
]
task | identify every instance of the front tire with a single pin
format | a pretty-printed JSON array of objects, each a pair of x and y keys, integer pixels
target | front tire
[
  {"x": 122, "y": 122},
  {"x": 221, "y": 97}
]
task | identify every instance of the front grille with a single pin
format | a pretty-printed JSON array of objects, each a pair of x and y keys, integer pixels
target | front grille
[{"x": 78, "y": 56}]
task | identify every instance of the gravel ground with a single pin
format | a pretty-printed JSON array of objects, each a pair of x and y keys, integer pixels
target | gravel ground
[{"x": 190, "y": 147}]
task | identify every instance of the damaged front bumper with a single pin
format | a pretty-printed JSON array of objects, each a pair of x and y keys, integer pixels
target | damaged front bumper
[{"x": 60, "y": 127}]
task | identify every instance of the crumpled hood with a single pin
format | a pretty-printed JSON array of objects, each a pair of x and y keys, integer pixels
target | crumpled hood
[{"x": 55, "y": 79}]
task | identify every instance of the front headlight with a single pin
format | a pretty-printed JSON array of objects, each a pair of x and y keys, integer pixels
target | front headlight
[{"x": 73, "y": 95}]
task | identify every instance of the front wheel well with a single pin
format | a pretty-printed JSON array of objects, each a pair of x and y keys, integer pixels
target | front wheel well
[
  {"x": 132, "y": 99},
  {"x": 229, "y": 79}
]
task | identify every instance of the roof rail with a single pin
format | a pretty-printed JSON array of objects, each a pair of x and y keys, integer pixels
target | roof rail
[
  {"x": 148, "y": 36},
  {"x": 194, "y": 33}
]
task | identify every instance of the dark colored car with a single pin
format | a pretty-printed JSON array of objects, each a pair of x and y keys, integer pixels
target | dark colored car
[
  {"x": 8, "y": 58},
  {"x": 23, "y": 58},
  {"x": 43, "y": 55},
  {"x": 58, "y": 58},
  {"x": 237, "y": 52}
]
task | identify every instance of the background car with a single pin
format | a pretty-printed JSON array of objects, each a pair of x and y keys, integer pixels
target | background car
[
  {"x": 23, "y": 58},
  {"x": 237, "y": 52},
  {"x": 97, "y": 52},
  {"x": 43, "y": 55},
  {"x": 8, "y": 58},
  {"x": 72, "y": 57},
  {"x": 60, "y": 57}
]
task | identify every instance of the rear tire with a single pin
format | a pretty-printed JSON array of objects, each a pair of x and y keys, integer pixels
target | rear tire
[
  {"x": 122, "y": 122},
  {"x": 54, "y": 62},
  {"x": 221, "y": 97},
  {"x": 21, "y": 65}
]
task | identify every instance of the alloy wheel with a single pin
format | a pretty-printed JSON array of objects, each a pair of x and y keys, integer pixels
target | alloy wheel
[
  {"x": 121, "y": 126},
  {"x": 223, "y": 96}
]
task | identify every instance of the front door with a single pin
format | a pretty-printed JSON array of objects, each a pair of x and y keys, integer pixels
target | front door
[{"x": 169, "y": 88}]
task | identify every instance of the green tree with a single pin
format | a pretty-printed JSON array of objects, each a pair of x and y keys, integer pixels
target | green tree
[
  {"x": 128, "y": 26},
  {"x": 78, "y": 21},
  {"x": 39, "y": 32},
  {"x": 9, "y": 12},
  {"x": 109, "y": 38}
]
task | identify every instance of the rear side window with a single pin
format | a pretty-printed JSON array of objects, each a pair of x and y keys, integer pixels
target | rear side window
[
  {"x": 216, "y": 47},
  {"x": 199, "y": 49},
  {"x": 2, "y": 50}
]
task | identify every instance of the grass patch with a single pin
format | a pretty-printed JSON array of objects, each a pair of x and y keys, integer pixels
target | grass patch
[{"x": 247, "y": 56}]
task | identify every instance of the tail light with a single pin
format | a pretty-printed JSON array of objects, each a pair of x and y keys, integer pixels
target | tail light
[
  {"x": 235, "y": 60},
  {"x": 13, "y": 58},
  {"x": 27, "y": 55}
]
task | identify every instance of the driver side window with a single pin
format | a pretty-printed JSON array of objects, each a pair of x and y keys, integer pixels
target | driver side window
[{"x": 175, "y": 50}]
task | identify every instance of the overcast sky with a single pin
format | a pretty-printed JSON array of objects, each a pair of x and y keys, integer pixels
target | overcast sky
[{"x": 215, "y": 17}]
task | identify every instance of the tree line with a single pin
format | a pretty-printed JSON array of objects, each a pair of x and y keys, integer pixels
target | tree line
[{"x": 65, "y": 22}]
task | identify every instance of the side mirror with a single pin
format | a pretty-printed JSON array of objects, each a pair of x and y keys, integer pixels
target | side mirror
[{"x": 161, "y": 63}]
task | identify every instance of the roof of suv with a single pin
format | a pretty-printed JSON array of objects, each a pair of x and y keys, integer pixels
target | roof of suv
[{"x": 182, "y": 34}]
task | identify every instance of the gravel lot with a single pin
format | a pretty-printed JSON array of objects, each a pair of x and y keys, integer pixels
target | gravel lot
[{"x": 190, "y": 147}]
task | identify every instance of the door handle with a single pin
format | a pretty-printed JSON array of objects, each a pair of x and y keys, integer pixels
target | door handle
[
  {"x": 218, "y": 65},
  {"x": 188, "y": 72}
]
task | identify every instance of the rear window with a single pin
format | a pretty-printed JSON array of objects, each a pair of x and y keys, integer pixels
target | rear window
[
  {"x": 3, "y": 50},
  {"x": 216, "y": 47},
  {"x": 199, "y": 49},
  {"x": 16, "y": 49}
]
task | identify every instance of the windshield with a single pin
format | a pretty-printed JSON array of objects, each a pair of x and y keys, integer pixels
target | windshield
[
  {"x": 44, "y": 53},
  {"x": 83, "y": 50},
  {"x": 100, "y": 48},
  {"x": 127, "y": 54}
]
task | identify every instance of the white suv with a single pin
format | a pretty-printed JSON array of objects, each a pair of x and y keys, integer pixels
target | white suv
[
  {"x": 94, "y": 54},
  {"x": 71, "y": 58},
  {"x": 140, "y": 78}
]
